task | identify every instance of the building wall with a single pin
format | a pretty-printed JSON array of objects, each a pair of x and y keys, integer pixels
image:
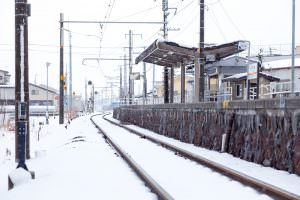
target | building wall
[
  {"x": 177, "y": 86},
  {"x": 285, "y": 75},
  {"x": 234, "y": 90},
  {"x": 256, "y": 130},
  {"x": 4, "y": 77},
  {"x": 37, "y": 96}
]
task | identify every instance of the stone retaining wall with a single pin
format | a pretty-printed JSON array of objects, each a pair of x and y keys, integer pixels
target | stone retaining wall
[{"x": 262, "y": 131}]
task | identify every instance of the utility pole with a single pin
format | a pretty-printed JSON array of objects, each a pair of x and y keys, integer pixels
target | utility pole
[
  {"x": 61, "y": 71},
  {"x": 165, "y": 8},
  {"x": 293, "y": 51},
  {"x": 153, "y": 83},
  {"x": 145, "y": 82},
  {"x": 131, "y": 81},
  {"x": 201, "y": 49},
  {"x": 258, "y": 74},
  {"x": 125, "y": 79},
  {"x": 121, "y": 84},
  {"x": 85, "y": 94},
  {"x": 22, "y": 11},
  {"x": 70, "y": 73},
  {"x": 130, "y": 67},
  {"x": 93, "y": 96},
  {"x": 47, "y": 111}
]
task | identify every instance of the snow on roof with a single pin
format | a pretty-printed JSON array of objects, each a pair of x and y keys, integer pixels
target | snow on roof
[
  {"x": 236, "y": 76},
  {"x": 7, "y": 86},
  {"x": 286, "y": 63}
]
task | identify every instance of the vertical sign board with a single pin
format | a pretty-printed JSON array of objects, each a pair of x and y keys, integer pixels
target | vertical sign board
[
  {"x": 22, "y": 132},
  {"x": 252, "y": 72}
]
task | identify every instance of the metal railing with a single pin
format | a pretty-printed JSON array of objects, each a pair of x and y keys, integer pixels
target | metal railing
[{"x": 275, "y": 89}]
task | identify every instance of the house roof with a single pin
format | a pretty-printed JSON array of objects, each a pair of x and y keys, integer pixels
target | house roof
[
  {"x": 44, "y": 88},
  {"x": 231, "y": 61},
  {"x": 1, "y": 70},
  {"x": 243, "y": 76},
  {"x": 38, "y": 86},
  {"x": 168, "y": 54}
]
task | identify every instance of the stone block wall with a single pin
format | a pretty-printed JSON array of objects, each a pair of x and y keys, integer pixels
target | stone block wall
[{"x": 266, "y": 132}]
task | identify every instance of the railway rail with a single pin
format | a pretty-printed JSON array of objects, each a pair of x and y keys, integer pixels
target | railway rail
[
  {"x": 271, "y": 190},
  {"x": 150, "y": 182}
]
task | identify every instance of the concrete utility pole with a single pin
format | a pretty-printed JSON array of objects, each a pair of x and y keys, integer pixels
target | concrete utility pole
[
  {"x": 121, "y": 84},
  {"x": 153, "y": 83},
  {"x": 131, "y": 81},
  {"x": 293, "y": 51},
  {"x": 85, "y": 94},
  {"x": 61, "y": 71},
  {"x": 201, "y": 49},
  {"x": 47, "y": 111},
  {"x": 258, "y": 74},
  {"x": 125, "y": 80},
  {"x": 22, "y": 11},
  {"x": 145, "y": 82},
  {"x": 70, "y": 73},
  {"x": 130, "y": 67}
]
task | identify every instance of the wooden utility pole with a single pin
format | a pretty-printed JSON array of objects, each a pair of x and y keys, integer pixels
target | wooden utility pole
[
  {"x": 165, "y": 35},
  {"x": 22, "y": 139},
  {"x": 201, "y": 49}
]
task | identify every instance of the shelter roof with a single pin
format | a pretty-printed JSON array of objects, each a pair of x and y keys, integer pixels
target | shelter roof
[{"x": 168, "y": 54}]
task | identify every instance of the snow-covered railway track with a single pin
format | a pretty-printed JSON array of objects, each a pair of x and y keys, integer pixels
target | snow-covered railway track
[
  {"x": 150, "y": 182},
  {"x": 263, "y": 187}
]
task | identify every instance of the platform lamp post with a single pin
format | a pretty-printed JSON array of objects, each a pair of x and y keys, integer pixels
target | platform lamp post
[{"x": 47, "y": 110}]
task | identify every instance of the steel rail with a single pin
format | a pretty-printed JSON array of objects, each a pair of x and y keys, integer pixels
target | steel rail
[
  {"x": 154, "y": 186},
  {"x": 260, "y": 185}
]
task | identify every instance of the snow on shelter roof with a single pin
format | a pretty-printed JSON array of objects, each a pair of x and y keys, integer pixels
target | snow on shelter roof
[{"x": 168, "y": 54}]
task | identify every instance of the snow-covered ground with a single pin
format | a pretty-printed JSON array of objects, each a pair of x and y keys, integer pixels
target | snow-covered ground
[
  {"x": 76, "y": 163},
  {"x": 73, "y": 163}
]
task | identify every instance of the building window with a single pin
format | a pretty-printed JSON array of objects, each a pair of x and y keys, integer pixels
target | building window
[
  {"x": 1, "y": 78},
  {"x": 239, "y": 90},
  {"x": 213, "y": 83},
  {"x": 34, "y": 92}
]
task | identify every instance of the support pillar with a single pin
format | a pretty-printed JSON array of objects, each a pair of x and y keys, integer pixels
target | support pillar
[
  {"x": 197, "y": 79},
  {"x": 166, "y": 85},
  {"x": 172, "y": 85},
  {"x": 182, "y": 92}
]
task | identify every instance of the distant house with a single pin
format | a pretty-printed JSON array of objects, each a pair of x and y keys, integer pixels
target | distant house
[
  {"x": 4, "y": 77},
  {"x": 282, "y": 70},
  {"x": 37, "y": 95},
  {"x": 216, "y": 72},
  {"x": 238, "y": 85},
  {"x": 189, "y": 85},
  {"x": 298, "y": 50}
]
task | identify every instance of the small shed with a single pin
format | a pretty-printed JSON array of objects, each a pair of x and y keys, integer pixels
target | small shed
[{"x": 238, "y": 85}]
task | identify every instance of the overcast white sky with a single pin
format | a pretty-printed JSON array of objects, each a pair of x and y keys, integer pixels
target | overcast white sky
[{"x": 263, "y": 22}]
